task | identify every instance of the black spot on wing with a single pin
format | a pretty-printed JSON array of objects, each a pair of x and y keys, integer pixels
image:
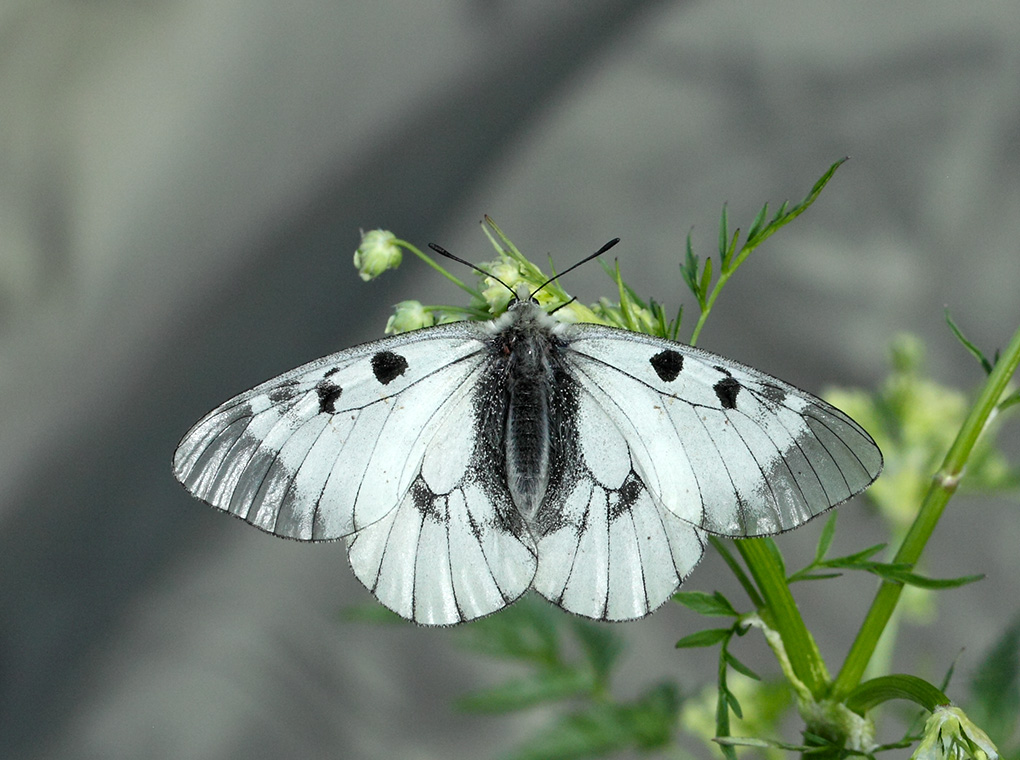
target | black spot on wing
[
  {"x": 430, "y": 505},
  {"x": 388, "y": 366},
  {"x": 623, "y": 499},
  {"x": 328, "y": 394},
  {"x": 667, "y": 364},
  {"x": 726, "y": 389}
]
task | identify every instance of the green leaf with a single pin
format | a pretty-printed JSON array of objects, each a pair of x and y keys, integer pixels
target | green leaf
[
  {"x": 899, "y": 686},
  {"x": 825, "y": 539},
  {"x": 588, "y": 733},
  {"x": 740, "y": 667},
  {"x": 974, "y": 350},
  {"x": 706, "y": 277},
  {"x": 857, "y": 558},
  {"x": 733, "y": 703},
  {"x": 714, "y": 604},
  {"x": 804, "y": 575},
  {"x": 751, "y": 741},
  {"x": 897, "y": 574},
  {"x": 759, "y": 220},
  {"x": 689, "y": 271},
  {"x": 724, "y": 235},
  {"x": 518, "y": 694},
  {"x": 707, "y": 638}
]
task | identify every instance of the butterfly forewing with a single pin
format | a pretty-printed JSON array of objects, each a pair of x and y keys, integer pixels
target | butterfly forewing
[
  {"x": 721, "y": 445},
  {"x": 332, "y": 446}
]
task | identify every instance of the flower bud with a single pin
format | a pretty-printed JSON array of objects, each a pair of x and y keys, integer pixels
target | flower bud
[{"x": 377, "y": 253}]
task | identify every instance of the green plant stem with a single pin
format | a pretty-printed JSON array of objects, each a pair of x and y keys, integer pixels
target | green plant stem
[
  {"x": 942, "y": 488},
  {"x": 782, "y": 613}
]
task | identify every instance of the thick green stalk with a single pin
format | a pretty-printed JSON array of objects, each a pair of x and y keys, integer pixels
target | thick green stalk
[
  {"x": 782, "y": 613},
  {"x": 942, "y": 488}
]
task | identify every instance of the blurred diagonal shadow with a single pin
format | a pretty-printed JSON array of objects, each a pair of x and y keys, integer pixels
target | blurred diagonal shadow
[{"x": 103, "y": 516}]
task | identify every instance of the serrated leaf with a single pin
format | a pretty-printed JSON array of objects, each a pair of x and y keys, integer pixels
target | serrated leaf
[
  {"x": 706, "y": 638},
  {"x": 518, "y": 694},
  {"x": 595, "y": 731},
  {"x": 714, "y": 604},
  {"x": 652, "y": 717}
]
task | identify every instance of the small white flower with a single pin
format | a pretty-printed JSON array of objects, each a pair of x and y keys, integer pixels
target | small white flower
[
  {"x": 407, "y": 316},
  {"x": 950, "y": 735},
  {"x": 377, "y": 253}
]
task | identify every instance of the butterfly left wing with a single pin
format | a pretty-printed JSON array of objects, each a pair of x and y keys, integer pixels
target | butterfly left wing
[
  {"x": 456, "y": 547},
  {"x": 719, "y": 444},
  {"x": 379, "y": 443}
]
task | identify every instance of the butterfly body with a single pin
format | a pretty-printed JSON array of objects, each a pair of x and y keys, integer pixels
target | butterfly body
[{"x": 466, "y": 463}]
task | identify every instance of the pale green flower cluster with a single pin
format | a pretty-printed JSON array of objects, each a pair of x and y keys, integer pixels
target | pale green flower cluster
[
  {"x": 508, "y": 276},
  {"x": 950, "y": 735},
  {"x": 914, "y": 420}
]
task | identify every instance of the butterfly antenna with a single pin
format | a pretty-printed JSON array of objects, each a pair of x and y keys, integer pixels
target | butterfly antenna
[
  {"x": 562, "y": 305},
  {"x": 443, "y": 252},
  {"x": 572, "y": 267}
]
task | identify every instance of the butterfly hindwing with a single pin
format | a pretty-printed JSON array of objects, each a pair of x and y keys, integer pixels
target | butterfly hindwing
[
  {"x": 723, "y": 446},
  {"x": 455, "y": 548},
  {"x": 607, "y": 549}
]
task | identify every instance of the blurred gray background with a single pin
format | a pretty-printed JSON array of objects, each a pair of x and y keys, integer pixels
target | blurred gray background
[{"x": 181, "y": 189}]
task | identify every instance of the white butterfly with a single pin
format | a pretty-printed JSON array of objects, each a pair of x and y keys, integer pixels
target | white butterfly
[{"x": 469, "y": 462}]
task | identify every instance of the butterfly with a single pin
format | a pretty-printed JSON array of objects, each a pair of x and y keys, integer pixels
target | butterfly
[{"x": 467, "y": 463}]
